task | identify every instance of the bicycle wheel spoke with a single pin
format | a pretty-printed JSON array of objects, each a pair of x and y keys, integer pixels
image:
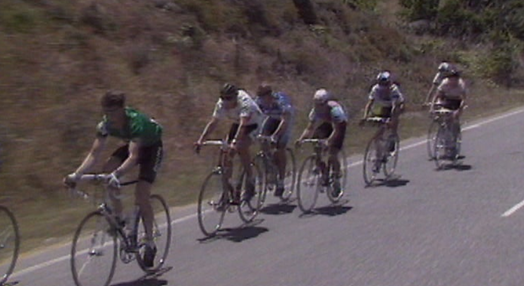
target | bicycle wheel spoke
[
  {"x": 9, "y": 243},
  {"x": 161, "y": 234},
  {"x": 308, "y": 185},
  {"x": 211, "y": 204},
  {"x": 93, "y": 255}
]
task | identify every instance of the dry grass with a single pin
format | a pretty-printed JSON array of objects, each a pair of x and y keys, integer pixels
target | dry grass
[{"x": 171, "y": 62}]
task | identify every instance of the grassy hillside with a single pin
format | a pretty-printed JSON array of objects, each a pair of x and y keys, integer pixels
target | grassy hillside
[{"x": 58, "y": 56}]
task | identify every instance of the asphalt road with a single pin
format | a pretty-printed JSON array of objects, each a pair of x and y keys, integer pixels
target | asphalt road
[{"x": 462, "y": 226}]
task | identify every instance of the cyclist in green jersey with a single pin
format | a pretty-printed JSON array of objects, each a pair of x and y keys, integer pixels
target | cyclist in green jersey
[{"x": 143, "y": 146}]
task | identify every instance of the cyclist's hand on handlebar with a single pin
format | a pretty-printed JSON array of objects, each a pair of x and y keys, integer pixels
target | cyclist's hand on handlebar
[
  {"x": 71, "y": 180},
  {"x": 112, "y": 180},
  {"x": 298, "y": 143},
  {"x": 196, "y": 146}
]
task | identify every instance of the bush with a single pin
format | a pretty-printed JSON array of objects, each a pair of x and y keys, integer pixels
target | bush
[
  {"x": 419, "y": 9},
  {"x": 19, "y": 18}
]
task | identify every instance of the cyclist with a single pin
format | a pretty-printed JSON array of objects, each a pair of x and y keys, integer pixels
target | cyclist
[
  {"x": 444, "y": 69},
  {"x": 143, "y": 146},
  {"x": 236, "y": 105},
  {"x": 451, "y": 94},
  {"x": 385, "y": 100},
  {"x": 279, "y": 111},
  {"x": 327, "y": 120}
]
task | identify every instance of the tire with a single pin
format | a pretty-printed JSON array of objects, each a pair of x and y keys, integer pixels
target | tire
[
  {"x": 291, "y": 175},
  {"x": 440, "y": 147},
  {"x": 308, "y": 185},
  {"x": 262, "y": 166},
  {"x": 211, "y": 206},
  {"x": 161, "y": 234},
  {"x": 370, "y": 159},
  {"x": 248, "y": 210},
  {"x": 392, "y": 157},
  {"x": 432, "y": 133},
  {"x": 94, "y": 251},
  {"x": 9, "y": 243},
  {"x": 343, "y": 179}
]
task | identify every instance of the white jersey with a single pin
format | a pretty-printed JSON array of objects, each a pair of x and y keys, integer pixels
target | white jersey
[
  {"x": 246, "y": 107},
  {"x": 453, "y": 91},
  {"x": 385, "y": 95}
]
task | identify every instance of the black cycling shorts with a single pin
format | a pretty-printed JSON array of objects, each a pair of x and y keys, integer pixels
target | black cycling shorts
[
  {"x": 451, "y": 104},
  {"x": 324, "y": 131},
  {"x": 234, "y": 129},
  {"x": 271, "y": 126},
  {"x": 149, "y": 159}
]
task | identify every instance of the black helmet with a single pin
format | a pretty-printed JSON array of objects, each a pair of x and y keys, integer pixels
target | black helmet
[{"x": 228, "y": 90}]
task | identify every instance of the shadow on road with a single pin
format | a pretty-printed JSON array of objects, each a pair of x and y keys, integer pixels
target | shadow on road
[
  {"x": 331, "y": 210},
  {"x": 391, "y": 182},
  {"x": 148, "y": 279},
  {"x": 277, "y": 209},
  {"x": 238, "y": 234}
]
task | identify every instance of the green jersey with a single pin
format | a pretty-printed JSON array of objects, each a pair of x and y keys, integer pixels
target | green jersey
[{"x": 138, "y": 128}]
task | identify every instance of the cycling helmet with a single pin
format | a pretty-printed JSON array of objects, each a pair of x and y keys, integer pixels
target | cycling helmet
[
  {"x": 444, "y": 67},
  {"x": 384, "y": 78},
  {"x": 228, "y": 90},
  {"x": 321, "y": 95},
  {"x": 264, "y": 90}
]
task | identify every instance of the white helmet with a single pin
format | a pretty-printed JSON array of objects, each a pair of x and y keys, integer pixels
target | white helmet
[
  {"x": 321, "y": 95},
  {"x": 444, "y": 67}
]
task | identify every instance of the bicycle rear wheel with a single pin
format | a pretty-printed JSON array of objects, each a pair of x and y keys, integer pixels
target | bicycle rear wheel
[
  {"x": 290, "y": 176},
  {"x": 309, "y": 184},
  {"x": 432, "y": 134},
  {"x": 94, "y": 250},
  {"x": 333, "y": 195},
  {"x": 393, "y": 148},
  {"x": 249, "y": 209},
  {"x": 371, "y": 163},
  {"x": 161, "y": 234},
  {"x": 9, "y": 243},
  {"x": 212, "y": 204}
]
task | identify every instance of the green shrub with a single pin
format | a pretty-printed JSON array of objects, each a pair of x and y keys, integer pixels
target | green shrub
[
  {"x": 419, "y": 9},
  {"x": 19, "y": 18}
]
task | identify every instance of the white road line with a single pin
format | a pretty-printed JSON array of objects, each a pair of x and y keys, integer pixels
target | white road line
[
  {"x": 182, "y": 219},
  {"x": 513, "y": 209}
]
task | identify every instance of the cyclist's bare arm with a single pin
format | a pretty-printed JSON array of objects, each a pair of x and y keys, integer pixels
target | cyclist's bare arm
[
  {"x": 210, "y": 127},
  {"x": 366, "y": 110},
  {"x": 131, "y": 160},
  {"x": 429, "y": 96},
  {"x": 307, "y": 132},
  {"x": 240, "y": 136},
  {"x": 337, "y": 129},
  {"x": 284, "y": 121},
  {"x": 93, "y": 156}
]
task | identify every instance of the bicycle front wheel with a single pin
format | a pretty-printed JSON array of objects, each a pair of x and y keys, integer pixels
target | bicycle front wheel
[
  {"x": 432, "y": 134},
  {"x": 212, "y": 204},
  {"x": 161, "y": 234},
  {"x": 249, "y": 209},
  {"x": 9, "y": 243},
  {"x": 309, "y": 184},
  {"x": 93, "y": 255},
  {"x": 290, "y": 175},
  {"x": 393, "y": 148},
  {"x": 371, "y": 162},
  {"x": 339, "y": 182},
  {"x": 440, "y": 147}
]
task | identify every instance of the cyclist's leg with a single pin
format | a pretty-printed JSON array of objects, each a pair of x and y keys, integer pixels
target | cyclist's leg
[
  {"x": 150, "y": 159},
  {"x": 323, "y": 132},
  {"x": 335, "y": 147},
  {"x": 243, "y": 148},
  {"x": 116, "y": 159}
]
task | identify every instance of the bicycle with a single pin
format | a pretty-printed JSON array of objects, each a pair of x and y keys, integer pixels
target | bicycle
[
  {"x": 216, "y": 194},
  {"x": 9, "y": 243},
  {"x": 446, "y": 139},
  {"x": 381, "y": 151},
  {"x": 100, "y": 236},
  {"x": 315, "y": 176},
  {"x": 264, "y": 160}
]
